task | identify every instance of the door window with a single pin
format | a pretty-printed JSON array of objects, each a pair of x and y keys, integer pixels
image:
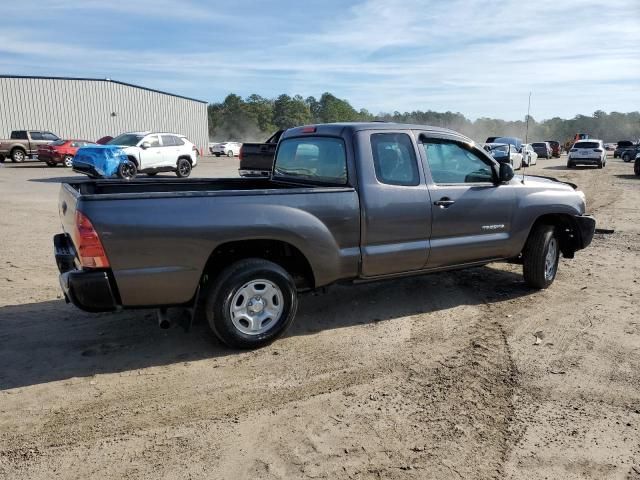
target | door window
[
  {"x": 177, "y": 141},
  {"x": 153, "y": 140},
  {"x": 394, "y": 159},
  {"x": 167, "y": 141},
  {"x": 49, "y": 136},
  {"x": 36, "y": 136},
  {"x": 453, "y": 163}
]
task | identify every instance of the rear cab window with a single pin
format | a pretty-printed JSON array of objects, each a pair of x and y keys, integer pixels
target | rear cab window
[
  {"x": 394, "y": 159},
  {"x": 315, "y": 159}
]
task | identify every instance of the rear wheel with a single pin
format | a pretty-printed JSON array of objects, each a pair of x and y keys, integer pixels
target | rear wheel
[
  {"x": 152, "y": 174},
  {"x": 636, "y": 167},
  {"x": 51, "y": 164},
  {"x": 18, "y": 155},
  {"x": 127, "y": 170},
  {"x": 600, "y": 165},
  {"x": 541, "y": 255},
  {"x": 183, "y": 168},
  {"x": 68, "y": 161},
  {"x": 626, "y": 157},
  {"x": 253, "y": 302},
  {"x": 569, "y": 165},
  {"x": 230, "y": 153}
]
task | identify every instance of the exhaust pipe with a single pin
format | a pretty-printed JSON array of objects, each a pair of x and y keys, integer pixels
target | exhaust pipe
[{"x": 163, "y": 319}]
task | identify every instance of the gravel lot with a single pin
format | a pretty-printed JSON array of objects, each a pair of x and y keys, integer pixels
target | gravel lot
[{"x": 428, "y": 377}]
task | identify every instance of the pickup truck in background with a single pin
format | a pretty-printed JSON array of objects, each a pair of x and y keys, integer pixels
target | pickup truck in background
[
  {"x": 256, "y": 159},
  {"x": 23, "y": 144},
  {"x": 345, "y": 203}
]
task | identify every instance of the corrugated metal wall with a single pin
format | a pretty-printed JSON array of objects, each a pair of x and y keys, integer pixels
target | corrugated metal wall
[{"x": 84, "y": 108}]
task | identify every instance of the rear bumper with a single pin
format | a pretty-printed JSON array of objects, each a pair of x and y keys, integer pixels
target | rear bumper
[
  {"x": 586, "y": 227},
  {"x": 89, "y": 290},
  {"x": 590, "y": 161}
]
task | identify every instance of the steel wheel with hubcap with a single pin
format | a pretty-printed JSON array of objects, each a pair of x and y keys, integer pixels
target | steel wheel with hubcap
[
  {"x": 250, "y": 303},
  {"x": 256, "y": 307}
]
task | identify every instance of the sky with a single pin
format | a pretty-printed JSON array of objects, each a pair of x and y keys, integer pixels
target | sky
[{"x": 477, "y": 57}]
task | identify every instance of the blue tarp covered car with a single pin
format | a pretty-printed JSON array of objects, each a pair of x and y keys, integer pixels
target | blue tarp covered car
[{"x": 99, "y": 161}]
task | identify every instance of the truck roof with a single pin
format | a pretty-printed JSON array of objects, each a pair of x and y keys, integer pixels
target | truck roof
[{"x": 337, "y": 128}]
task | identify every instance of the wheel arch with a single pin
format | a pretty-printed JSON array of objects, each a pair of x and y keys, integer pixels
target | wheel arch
[
  {"x": 280, "y": 252},
  {"x": 567, "y": 231}
]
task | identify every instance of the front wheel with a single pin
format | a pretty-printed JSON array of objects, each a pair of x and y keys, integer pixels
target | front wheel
[
  {"x": 626, "y": 157},
  {"x": 51, "y": 164},
  {"x": 230, "y": 153},
  {"x": 127, "y": 170},
  {"x": 252, "y": 303},
  {"x": 68, "y": 161},
  {"x": 183, "y": 168},
  {"x": 541, "y": 255}
]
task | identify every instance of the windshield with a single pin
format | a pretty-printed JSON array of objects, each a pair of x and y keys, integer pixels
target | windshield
[
  {"x": 126, "y": 140},
  {"x": 539, "y": 145},
  {"x": 320, "y": 159},
  {"x": 499, "y": 149}
]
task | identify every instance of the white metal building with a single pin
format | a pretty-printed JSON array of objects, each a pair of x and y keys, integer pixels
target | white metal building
[{"x": 89, "y": 108}]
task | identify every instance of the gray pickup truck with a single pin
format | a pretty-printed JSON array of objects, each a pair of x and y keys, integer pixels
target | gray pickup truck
[
  {"x": 23, "y": 144},
  {"x": 345, "y": 203}
]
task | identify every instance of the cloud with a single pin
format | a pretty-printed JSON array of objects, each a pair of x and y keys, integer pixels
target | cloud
[{"x": 479, "y": 57}]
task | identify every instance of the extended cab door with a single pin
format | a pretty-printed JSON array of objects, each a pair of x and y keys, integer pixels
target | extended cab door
[
  {"x": 471, "y": 213},
  {"x": 396, "y": 208}
]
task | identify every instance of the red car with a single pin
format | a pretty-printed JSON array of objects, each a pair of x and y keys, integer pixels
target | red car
[{"x": 60, "y": 151}]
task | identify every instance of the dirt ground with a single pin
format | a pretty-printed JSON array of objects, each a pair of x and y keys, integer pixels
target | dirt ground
[{"x": 429, "y": 377}]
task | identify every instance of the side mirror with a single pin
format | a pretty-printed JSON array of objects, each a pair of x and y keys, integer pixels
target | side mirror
[
  {"x": 145, "y": 145},
  {"x": 506, "y": 172}
]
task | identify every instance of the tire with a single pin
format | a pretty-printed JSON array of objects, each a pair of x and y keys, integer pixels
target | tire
[
  {"x": 68, "y": 161},
  {"x": 626, "y": 157},
  {"x": 230, "y": 153},
  {"x": 569, "y": 165},
  {"x": 152, "y": 174},
  {"x": 600, "y": 165},
  {"x": 251, "y": 276},
  {"x": 18, "y": 155},
  {"x": 51, "y": 164},
  {"x": 127, "y": 170},
  {"x": 636, "y": 167},
  {"x": 183, "y": 168},
  {"x": 217, "y": 154},
  {"x": 541, "y": 255}
]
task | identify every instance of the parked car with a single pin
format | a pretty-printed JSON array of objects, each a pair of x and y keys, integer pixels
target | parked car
[
  {"x": 636, "y": 165},
  {"x": 24, "y": 144},
  {"x": 104, "y": 140},
  {"x": 60, "y": 152},
  {"x": 587, "y": 152},
  {"x": 256, "y": 159},
  {"x": 505, "y": 153},
  {"x": 138, "y": 152},
  {"x": 230, "y": 149},
  {"x": 622, "y": 144},
  {"x": 529, "y": 155},
  {"x": 629, "y": 153},
  {"x": 555, "y": 148},
  {"x": 543, "y": 149},
  {"x": 345, "y": 203},
  {"x": 610, "y": 147},
  {"x": 513, "y": 141}
]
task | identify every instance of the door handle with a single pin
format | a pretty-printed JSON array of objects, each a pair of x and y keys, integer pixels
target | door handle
[{"x": 444, "y": 202}]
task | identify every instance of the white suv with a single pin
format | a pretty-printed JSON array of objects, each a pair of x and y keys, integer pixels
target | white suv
[
  {"x": 587, "y": 152},
  {"x": 152, "y": 152},
  {"x": 229, "y": 149}
]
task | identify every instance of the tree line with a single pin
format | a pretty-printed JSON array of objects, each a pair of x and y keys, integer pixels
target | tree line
[{"x": 255, "y": 118}]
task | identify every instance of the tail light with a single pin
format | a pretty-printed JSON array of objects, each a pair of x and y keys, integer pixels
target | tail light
[
  {"x": 240, "y": 154},
  {"x": 90, "y": 249}
]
